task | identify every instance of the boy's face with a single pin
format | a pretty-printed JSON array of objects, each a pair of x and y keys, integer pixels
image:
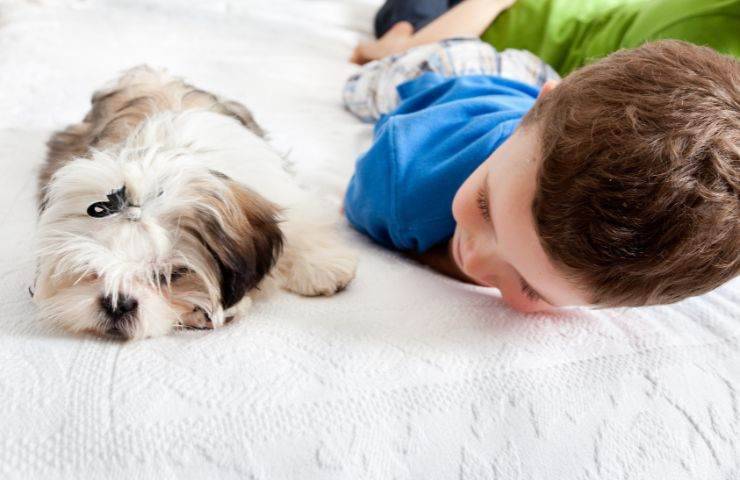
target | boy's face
[{"x": 495, "y": 241}]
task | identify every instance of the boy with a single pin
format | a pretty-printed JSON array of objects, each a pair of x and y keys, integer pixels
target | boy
[{"x": 619, "y": 186}]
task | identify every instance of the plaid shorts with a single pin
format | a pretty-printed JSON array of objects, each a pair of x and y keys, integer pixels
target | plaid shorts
[{"x": 372, "y": 92}]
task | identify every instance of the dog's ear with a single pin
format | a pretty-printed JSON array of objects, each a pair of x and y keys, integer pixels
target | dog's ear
[{"x": 240, "y": 230}]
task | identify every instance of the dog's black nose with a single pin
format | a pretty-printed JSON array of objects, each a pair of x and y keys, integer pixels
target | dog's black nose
[{"x": 124, "y": 307}]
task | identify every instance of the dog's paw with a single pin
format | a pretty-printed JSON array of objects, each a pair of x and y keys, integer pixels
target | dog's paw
[
  {"x": 320, "y": 272},
  {"x": 239, "y": 310},
  {"x": 197, "y": 319}
]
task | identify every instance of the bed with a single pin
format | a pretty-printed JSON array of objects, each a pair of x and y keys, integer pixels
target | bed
[{"x": 405, "y": 375}]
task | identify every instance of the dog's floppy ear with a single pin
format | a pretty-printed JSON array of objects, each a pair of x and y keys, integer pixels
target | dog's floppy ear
[{"x": 239, "y": 228}]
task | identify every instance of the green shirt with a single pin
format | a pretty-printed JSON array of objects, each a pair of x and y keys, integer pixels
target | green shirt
[{"x": 568, "y": 34}]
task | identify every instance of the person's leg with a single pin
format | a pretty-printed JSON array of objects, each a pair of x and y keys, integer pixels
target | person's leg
[
  {"x": 417, "y": 12},
  {"x": 372, "y": 92}
]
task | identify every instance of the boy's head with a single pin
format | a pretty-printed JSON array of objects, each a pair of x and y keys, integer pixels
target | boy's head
[{"x": 622, "y": 187}]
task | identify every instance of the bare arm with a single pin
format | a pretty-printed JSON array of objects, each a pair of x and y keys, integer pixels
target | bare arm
[{"x": 469, "y": 18}]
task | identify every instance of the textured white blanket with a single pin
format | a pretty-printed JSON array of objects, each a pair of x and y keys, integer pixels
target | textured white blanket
[{"x": 406, "y": 375}]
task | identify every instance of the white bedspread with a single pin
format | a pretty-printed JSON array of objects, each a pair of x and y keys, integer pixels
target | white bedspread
[{"x": 406, "y": 375}]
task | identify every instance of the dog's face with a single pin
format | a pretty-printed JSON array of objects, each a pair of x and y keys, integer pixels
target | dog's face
[{"x": 138, "y": 240}]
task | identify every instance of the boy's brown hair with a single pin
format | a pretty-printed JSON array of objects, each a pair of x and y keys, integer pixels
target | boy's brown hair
[{"x": 638, "y": 192}]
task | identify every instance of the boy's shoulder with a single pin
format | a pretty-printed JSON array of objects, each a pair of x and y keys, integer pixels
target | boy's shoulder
[
  {"x": 434, "y": 89},
  {"x": 444, "y": 128}
]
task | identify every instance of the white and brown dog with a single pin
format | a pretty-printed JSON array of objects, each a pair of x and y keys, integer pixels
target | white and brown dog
[{"x": 166, "y": 207}]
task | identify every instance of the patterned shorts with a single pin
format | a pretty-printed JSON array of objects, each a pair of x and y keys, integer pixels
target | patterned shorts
[{"x": 372, "y": 92}]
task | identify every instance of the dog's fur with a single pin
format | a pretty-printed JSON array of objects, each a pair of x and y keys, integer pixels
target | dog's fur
[{"x": 208, "y": 214}]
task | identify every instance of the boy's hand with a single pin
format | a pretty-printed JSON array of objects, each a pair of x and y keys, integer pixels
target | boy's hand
[{"x": 394, "y": 41}]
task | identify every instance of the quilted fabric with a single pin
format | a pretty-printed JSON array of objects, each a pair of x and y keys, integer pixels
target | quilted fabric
[{"x": 406, "y": 375}]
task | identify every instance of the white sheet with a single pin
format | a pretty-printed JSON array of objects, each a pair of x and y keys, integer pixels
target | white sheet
[{"x": 405, "y": 375}]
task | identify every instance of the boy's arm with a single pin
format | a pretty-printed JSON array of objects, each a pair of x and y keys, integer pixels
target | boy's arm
[{"x": 469, "y": 18}]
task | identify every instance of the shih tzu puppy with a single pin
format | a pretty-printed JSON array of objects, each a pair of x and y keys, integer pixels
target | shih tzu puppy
[{"x": 166, "y": 207}]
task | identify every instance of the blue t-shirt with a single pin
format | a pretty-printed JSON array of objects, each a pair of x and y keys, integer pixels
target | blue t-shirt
[{"x": 444, "y": 128}]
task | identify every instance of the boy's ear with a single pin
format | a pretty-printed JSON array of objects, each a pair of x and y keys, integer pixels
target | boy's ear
[{"x": 547, "y": 87}]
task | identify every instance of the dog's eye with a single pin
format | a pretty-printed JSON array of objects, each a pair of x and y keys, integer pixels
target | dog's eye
[{"x": 177, "y": 273}]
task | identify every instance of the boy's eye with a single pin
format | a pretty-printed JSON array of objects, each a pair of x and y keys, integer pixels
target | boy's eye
[
  {"x": 529, "y": 292},
  {"x": 483, "y": 204}
]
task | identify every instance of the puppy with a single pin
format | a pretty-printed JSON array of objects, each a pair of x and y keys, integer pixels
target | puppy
[{"x": 166, "y": 207}]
